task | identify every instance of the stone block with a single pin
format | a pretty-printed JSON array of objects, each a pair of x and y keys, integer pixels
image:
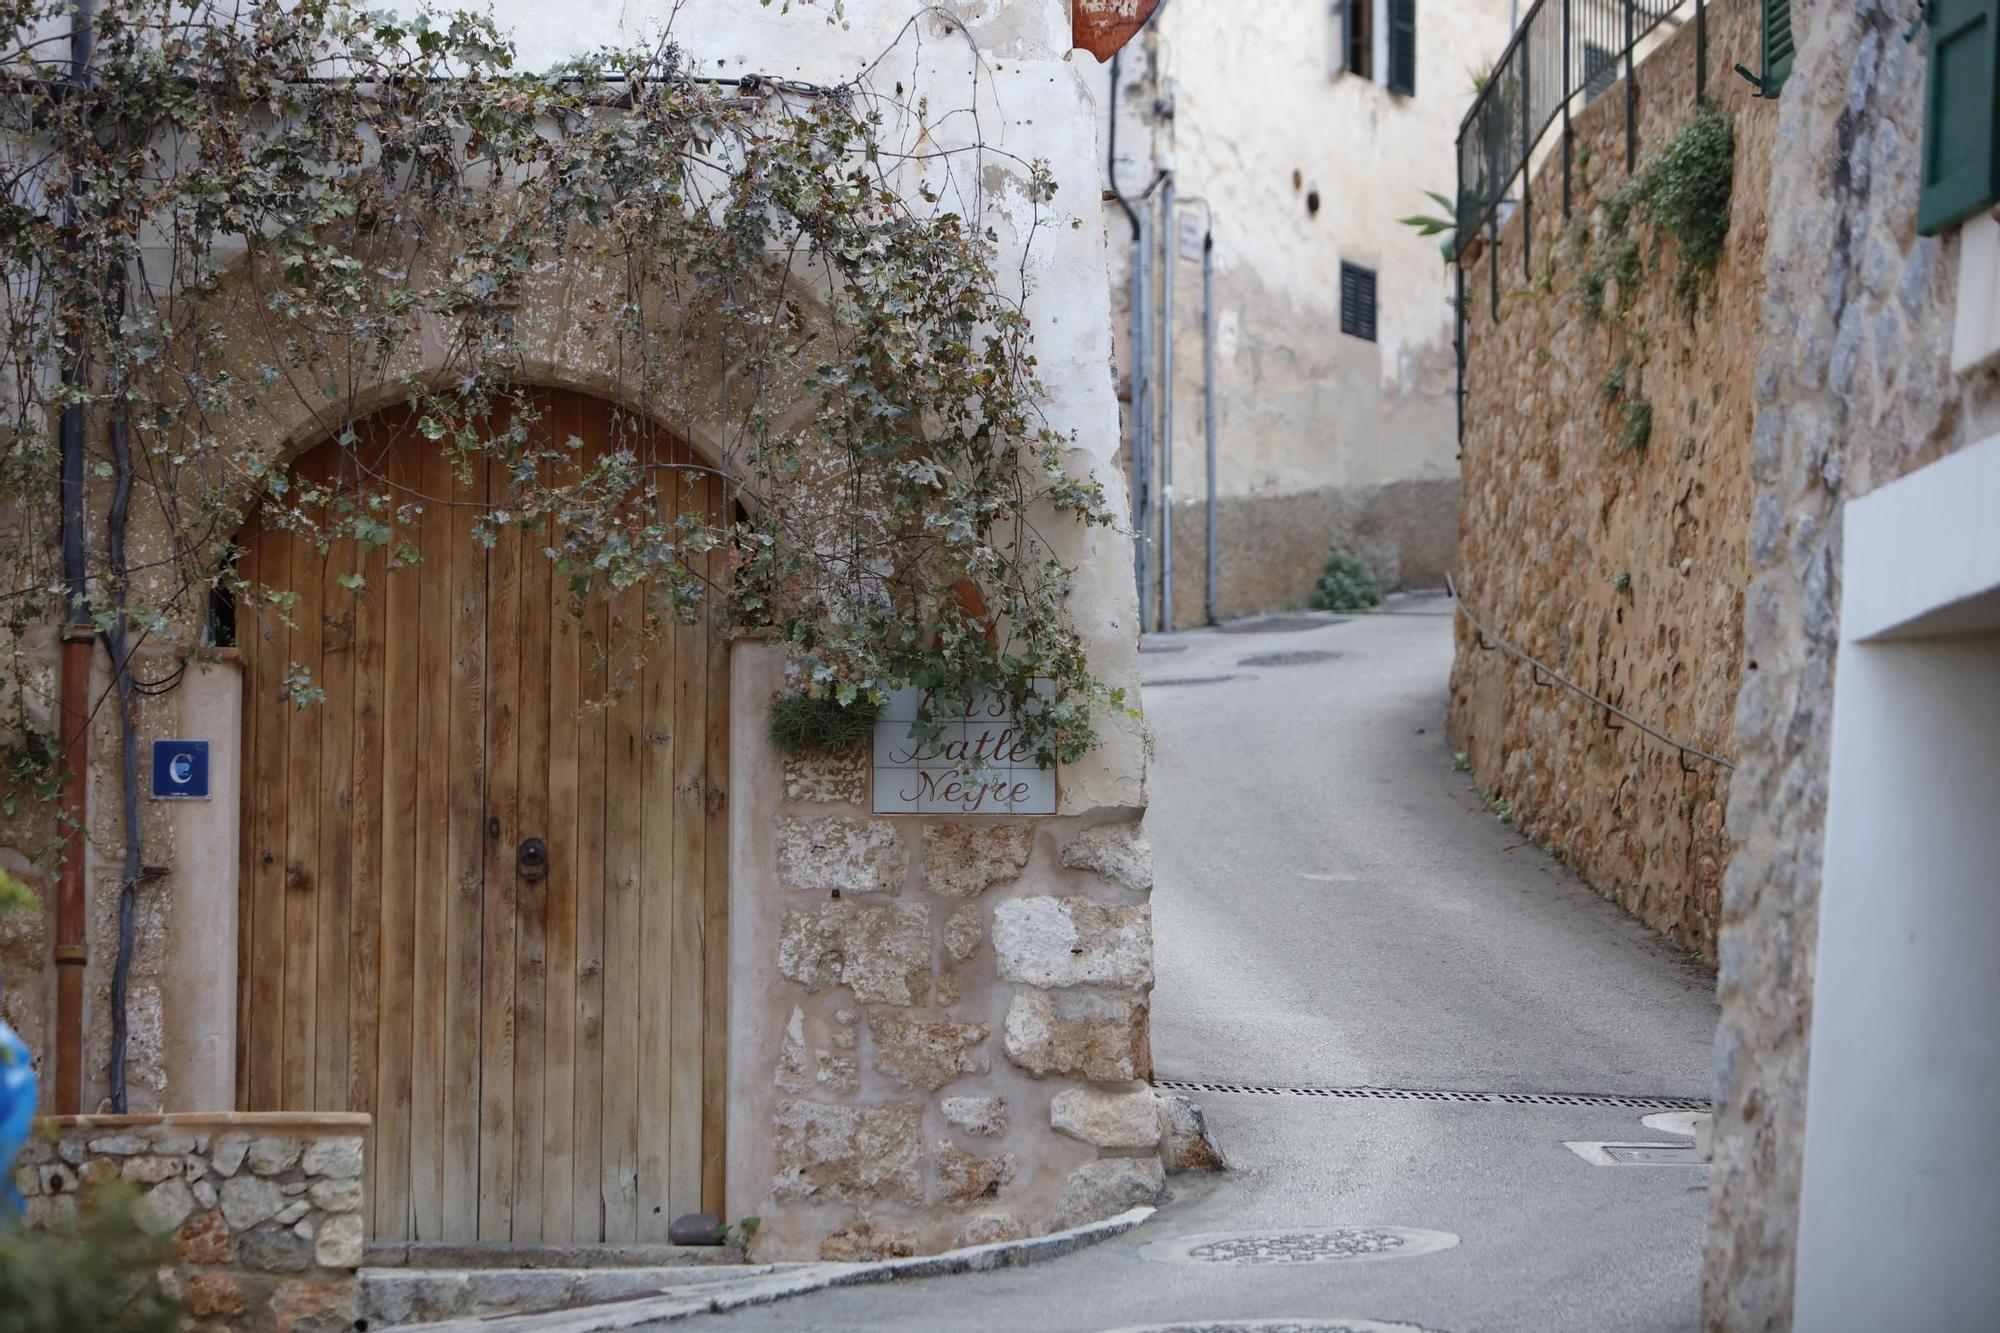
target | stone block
[
  {"x": 984, "y": 1116},
  {"x": 1082, "y": 1034},
  {"x": 837, "y": 1074},
  {"x": 307, "y": 1305},
  {"x": 164, "y": 1207},
  {"x": 697, "y": 1229},
  {"x": 336, "y": 1196},
  {"x": 248, "y": 1200},
  {"x": 1107, "y": 1119},
  {"x": 58, "y": 1179},
  {"x": 204, "y": 1194},
  {"x": 338, "y": 1244},
  {"x": 990, "y": 1229},
  {"x": 964, "y": 932},
  {"x": 28, "y": 1181},
  {"x": 291, "y": 1212},
  {"x": 1055, "y": 942},
  {"x": 881, "y": 953},
  {"x": 98, "y": 1170},
  {"x": 1189, "y": 1144},
  {"x": 338, "y": 1157},
  {"x": 268, "y": 1156},
  {"x": 826, "y": 852},
  {"x": 230, "y": 1150},
  {"x": 925, "y": 1054},
  {"x": 965, "y": 1178},
  {"x": 868, "y": 1242},
  {"x": 965, "y": 860},
  {"x": 150, "y": 1170},
  {"x": 119, "y": 1145},
  {"x": 1106, "y": 1188},
  {"x": 204, "y": 1239},
  {"x": 269, "y": 1249},
  {"x": 853, "y": 1154},
  {"x": 213, "y": 1296},
  {"x": 839, "y": 776},
  {"x": 1117, "y": 852}
]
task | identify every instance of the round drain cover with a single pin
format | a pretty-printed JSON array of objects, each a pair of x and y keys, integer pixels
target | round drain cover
[
  {"x": 1324, "y": 1245},
  {"x": 1305, "y": 657},
  {"x": 1280, "y": 1326}
]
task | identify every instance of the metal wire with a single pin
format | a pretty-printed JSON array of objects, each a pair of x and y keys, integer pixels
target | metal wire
[{"x": 1487, "y": 637}]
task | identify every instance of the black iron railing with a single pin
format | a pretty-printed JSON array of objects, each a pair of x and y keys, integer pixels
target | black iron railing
[{"x": 1564, "y": 54}]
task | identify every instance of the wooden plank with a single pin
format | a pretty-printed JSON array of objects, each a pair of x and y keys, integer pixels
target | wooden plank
[
  {"x": 251, "y": 845},
  {"x": 302, "y": 808},
  {"x": 466, "y": 840},
  {"x": 432, "y": 887},
  {"x": 504, "y": 834},
  {"x": 365, "y": 903},
  {"x": 333, "y": 984},
  {"x": 531, "y": 897},
  {"x": 400, "y": 680},
  {"x": 559, "y": 903},
  {"x": 715, "y": 899},
  {"x": 658, "y": 963},
  {"x": 624, "y": 979},
  {"x": 587, "y": 1203},
  {"x": 690, "y": 729}
]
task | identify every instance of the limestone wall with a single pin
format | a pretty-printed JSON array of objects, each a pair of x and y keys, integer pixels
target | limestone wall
[
  {"x": 1854, "y": 389},
  {"x": 939, "y": 1027},
  {"x": 265, "y": 1210},
  {"x": 1623, "y": 568}
]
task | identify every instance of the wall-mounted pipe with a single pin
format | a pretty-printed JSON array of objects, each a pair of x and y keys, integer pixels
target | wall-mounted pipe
[
  {"x": 1171, "y": 261},
  {"x": 1208, "y": 407},
  {"x": 71, "y": 947}
]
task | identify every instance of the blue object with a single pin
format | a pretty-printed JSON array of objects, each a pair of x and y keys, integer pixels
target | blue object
[
  {"x": 17, "y": 1114},
  {"x": 180, "y": 770}
]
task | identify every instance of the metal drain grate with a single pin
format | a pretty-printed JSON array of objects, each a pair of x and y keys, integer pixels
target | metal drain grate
[
  {"x": 1617, "y": 1101},
  {"x": 1256, "y": 1249},
  {"x": 1184, "y": 680},
  {"x": 1307, "y": 657}
]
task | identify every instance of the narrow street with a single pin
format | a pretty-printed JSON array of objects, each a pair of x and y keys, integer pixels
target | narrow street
[{"x": 1337, "y": 908}]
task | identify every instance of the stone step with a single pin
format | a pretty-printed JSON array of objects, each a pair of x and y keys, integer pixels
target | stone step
[
  {"x": 392, "y": 1296},
  {"x": 465, "y": 1254}
]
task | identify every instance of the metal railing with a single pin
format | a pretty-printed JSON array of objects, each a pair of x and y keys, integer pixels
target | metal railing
[{"x": 1564, "y": 50}]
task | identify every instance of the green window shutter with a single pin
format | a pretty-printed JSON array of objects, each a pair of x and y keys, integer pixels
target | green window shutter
[
  {"x": 1403, "y": 47},
  {"x": 1961, "y": 172},
  {"x": 1777, "y": 44}
]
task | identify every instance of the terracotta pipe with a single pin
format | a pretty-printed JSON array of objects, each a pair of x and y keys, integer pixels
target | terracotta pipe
[{"x": 71, "y": 951}]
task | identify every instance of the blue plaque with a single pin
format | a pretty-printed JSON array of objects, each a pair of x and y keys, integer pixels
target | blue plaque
[{"x": 180, "y": 770}]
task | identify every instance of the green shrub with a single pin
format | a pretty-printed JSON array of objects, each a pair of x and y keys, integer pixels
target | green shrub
[
  {"x": 809, "y": 724},
  {"x": 1347, "y": 584},
  {"x": 100, "y": 1273}
]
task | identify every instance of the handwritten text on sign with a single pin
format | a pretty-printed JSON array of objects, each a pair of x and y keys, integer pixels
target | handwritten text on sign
[{"x": 980, "y": 763}]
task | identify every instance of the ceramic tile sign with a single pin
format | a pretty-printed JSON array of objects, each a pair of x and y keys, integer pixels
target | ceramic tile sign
[{"x": 980, "y": 763}]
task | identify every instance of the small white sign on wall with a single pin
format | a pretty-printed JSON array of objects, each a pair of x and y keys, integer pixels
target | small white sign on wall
[{"x": 980, "y": 763}]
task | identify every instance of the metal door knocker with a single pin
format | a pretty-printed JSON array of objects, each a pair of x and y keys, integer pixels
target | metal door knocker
[{"x": 533, "y": 860}]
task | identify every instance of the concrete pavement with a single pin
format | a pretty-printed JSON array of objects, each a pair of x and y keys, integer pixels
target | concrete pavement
[{"x": 1336, "y": 907}]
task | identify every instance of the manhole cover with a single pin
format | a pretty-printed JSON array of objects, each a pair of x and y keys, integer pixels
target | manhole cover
[
  {"x": 1304, "y": 657},
  {"x": 1258, "y": 1248},
  {"x": 1184, "y": 680},
  {"x": 1280, "y": 624},
  {"x": 1279, "y": 1326}
]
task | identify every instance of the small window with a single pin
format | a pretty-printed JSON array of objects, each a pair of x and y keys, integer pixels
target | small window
[
  {"x": 1357, "y": 301},
  {"x": 1357, "y": 29},
  {"x": 1403, "y": 47},
  {"x": 1961, "y": 161}
]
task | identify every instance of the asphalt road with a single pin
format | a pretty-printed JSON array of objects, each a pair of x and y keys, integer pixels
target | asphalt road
[{"x": 1336, "y": 907}]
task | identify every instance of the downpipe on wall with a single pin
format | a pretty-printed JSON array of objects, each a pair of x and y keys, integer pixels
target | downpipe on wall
[{"x": 1169, "y": 245}]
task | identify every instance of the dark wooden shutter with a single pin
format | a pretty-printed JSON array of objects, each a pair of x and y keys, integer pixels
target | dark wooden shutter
[
  {"x": 1961, "y": 173},
  {"x": 1777, "y": 44},
  {"x": 1403, "y": 47},
  {"x": 1357, "y": 301}
]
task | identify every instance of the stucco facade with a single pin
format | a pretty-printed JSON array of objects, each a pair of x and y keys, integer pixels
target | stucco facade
[
  {"x": 1296, "y": 164},
  {"x": 1010, "y": 64}
]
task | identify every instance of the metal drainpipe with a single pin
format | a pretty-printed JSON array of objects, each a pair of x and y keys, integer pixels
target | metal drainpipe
[
  {"x": 1208, "y": 404},
  {"x": 1142, "y": 406},
  {"x": 1171, "y": 259},
  {"x": 1135, "y": 352},
  {"x": 71, "y": 948}
]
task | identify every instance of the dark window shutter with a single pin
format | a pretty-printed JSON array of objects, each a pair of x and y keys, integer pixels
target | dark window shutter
[
  {"x": 1357, "y": 301},
  {"x": 1777, "y": 44},
  {"x": 1403, "y": 47},
  {"x": 1357, "y": 31},
  {"x": 1961, "y": 173}
]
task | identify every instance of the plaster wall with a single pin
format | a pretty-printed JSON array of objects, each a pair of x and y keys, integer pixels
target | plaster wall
[
  {"x": 1320, "y": 436},
  {"x": 1855, "y": 388},
  {"x": 1622, "y": 568}
]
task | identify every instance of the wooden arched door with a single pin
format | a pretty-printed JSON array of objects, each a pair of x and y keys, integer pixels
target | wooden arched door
[{"x": 540, "y": 1039}]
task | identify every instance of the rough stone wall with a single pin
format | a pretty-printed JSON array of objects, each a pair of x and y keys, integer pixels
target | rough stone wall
[
  {"x": 1622, "y": 569},
  {"x": 265, "y": 1210},
  {"x": 1854, "y": 389},
  {"x": 939, "y": 1026}
]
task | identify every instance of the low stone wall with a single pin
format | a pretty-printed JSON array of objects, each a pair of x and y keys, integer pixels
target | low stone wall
[
  {"x": 940, "y": 1026},
  {"x": 265, "y": 1208},
  {"x": 1621, "y": 567}
]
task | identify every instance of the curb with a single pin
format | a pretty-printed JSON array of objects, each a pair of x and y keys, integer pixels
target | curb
[{"x": 798, "y": 1280}]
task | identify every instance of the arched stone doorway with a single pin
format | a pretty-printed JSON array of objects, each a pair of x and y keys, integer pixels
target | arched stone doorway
[{"x": 484, "y": 887}]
